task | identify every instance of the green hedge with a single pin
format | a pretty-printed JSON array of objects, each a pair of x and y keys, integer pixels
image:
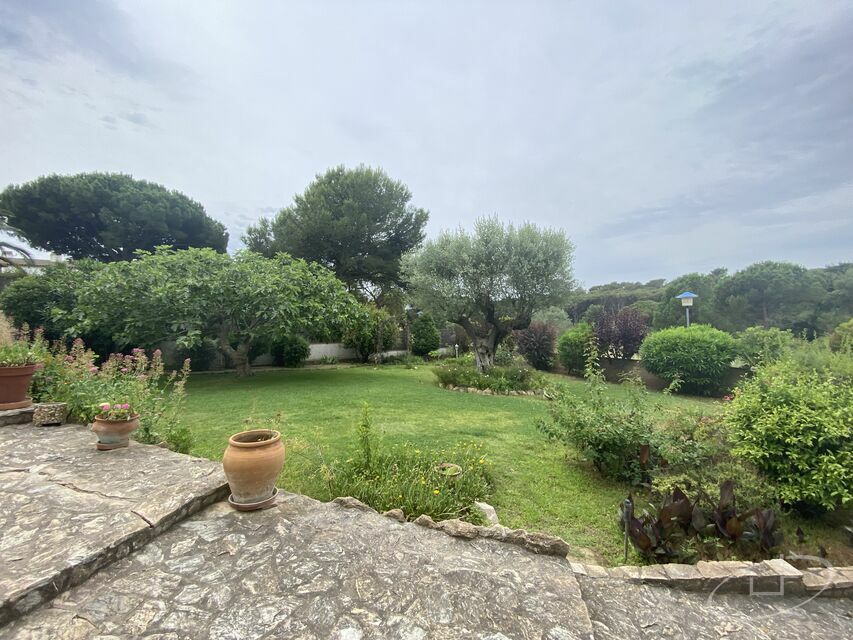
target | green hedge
[{"x": 698, "y": 357}]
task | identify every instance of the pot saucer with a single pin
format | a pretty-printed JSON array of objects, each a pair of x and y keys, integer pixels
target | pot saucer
[{"x": 254, "y": 506}]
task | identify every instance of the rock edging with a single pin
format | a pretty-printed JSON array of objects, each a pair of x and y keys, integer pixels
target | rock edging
[
  {"x": 540, "y": 543},
  {"x": 722, "y": 576},
  {"x": 489, "y": 392},
  {"x": 774, "y": 575}
]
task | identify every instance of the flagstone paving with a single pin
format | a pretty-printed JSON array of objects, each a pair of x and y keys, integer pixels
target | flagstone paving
[
  {"x": 310, "y": 570},
  {"x": 68, "y": 509}
]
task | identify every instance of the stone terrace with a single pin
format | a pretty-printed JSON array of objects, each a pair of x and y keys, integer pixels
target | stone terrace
[
  {"x": 305, "y": 569},
  {"x": 69, "y": 509}
]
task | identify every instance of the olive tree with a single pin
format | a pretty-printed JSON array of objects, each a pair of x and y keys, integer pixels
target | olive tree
[
  {"x": 491, "y": 282},
  {"x": 195, "y": 295}
]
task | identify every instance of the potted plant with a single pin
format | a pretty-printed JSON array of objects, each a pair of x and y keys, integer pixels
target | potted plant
[
  {"x": 252, "y": 463},
  {"x": 114, "y": 424},
  {"x": 17, "y": 365}
]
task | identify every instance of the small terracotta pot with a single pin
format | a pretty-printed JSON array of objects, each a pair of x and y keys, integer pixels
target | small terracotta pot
[
  {"x": 14, "y": 383},
  {"x": 114, "y": 434},
  {"x": 252, "y": 463}
]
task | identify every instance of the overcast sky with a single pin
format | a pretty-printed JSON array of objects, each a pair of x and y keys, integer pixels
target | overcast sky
[{"x": 663, "y": 137}]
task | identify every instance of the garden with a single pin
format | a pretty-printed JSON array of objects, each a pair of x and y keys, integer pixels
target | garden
[{"x": 467, "y": 381}]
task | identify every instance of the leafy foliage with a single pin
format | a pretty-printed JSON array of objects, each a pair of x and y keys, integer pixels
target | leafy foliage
[
  {"x": 498, "y": 379},
  {"x": 47, "y": 299},
  {"x": 371, "y": 332},
  {"x": 536, "y": 344},
  {"x": 698, "y": 356},
  {"x": 678, "y": 529},
  {"x": 695, "y": 453},
  {"x": 21, "y": 352},
  {"x": 405, "y": 477},
  {"x": 757, "y": 345},
  {"x": 614, "y": 434},
  {"x": 796, "y": 425},
  {"x": 357, "y": 222},
  {"x": 137, "y": 379},
  {"x": 290, "y": 351},
  {"x": 197, "y": 294},
  {"x": 107, "y": 216},
  {"x": 772, "y": 294},
  {"x": 554, "y": 316},
  {"x": 425, "y": 335},
  {"x": 491, "y": 282},
  {"x": 572, "y": 347},
  {"x": 841, "y": 337},
  {"x": 620, "y": 334}
]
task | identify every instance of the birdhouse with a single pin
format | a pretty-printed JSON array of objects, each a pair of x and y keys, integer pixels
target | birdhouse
[{"x": 686, "y": 298}]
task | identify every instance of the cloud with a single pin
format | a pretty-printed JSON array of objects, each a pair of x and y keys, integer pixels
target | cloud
[
  {"x": 45, "y": 30},
  {"x": 663, "y": 138}
]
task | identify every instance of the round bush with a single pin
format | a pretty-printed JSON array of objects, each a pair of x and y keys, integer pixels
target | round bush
[
  {"x": 425, "y": 335},
  {"x": 699, "y": 357},
  {"x": 796, "y": 425},
  {"x": 292, "y": 351},
  {"x": 572, "y": 346}
]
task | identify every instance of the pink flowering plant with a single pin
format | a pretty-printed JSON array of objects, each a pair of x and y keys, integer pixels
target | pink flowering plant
[
  {"x": 116, "y": 411},
  {"x": 137, "y": 381}
]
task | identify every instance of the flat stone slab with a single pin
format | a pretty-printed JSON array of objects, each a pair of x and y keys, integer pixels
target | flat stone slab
[
  {"x": 622, "y": 610},
  {"x": 305, "y": 569},
  {"x": 69, "y": 510}
]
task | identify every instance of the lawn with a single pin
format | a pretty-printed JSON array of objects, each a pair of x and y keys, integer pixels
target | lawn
[{"x": 536, "y": 486}]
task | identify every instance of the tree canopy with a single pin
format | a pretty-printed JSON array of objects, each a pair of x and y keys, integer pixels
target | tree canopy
[
  {"x": 490, "y": 282},
  {"x": 198, "y": 294},
  {"x": 106, "y": 216},
  {"x": 357, "y": 222}
]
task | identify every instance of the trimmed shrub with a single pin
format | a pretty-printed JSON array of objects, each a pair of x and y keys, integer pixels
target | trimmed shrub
[
  {"x": 536, "y": 344},
  {"x": 758, "y": 345},
  {"x": 796, "y": 425},
  {"x": 291, "y": 351},
  {"x": 425, "y": 335},
  {"x": 696, "y": 358},
  {"x": 572, "y": 347}
]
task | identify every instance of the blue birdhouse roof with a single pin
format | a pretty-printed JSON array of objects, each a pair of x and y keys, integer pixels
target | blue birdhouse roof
[{"x": 686, "y": 294}]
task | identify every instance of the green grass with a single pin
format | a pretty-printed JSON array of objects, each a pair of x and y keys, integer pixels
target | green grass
[{"x": 537, "y": 487}]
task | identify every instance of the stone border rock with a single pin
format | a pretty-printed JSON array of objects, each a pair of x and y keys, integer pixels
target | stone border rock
[
  {"x": 488, "y": 392},
  {"x": 722, "y": 576},
  {"x": 541, "y": 543},
  {"x": 16, "y": 416},
  {"x": 772, "y": 576}
]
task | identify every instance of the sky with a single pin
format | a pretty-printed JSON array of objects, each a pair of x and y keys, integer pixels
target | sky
[{"x": 662, "y": 137}]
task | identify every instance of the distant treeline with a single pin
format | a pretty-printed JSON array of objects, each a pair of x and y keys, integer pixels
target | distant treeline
[{"x": 770, "y": 294}]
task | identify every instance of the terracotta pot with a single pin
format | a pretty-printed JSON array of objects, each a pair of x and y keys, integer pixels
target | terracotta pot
[
  {"x": 114, "y": 434},
  {"x": 252, "y": 463},
  {"x": 14, "y": 383}
]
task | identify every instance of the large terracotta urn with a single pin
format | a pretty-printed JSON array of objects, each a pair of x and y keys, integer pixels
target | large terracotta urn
[
  {"x": 252, "y": 463},
  {"x": 14, "y": 384},
  {"x": 114, "y": 434}
]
